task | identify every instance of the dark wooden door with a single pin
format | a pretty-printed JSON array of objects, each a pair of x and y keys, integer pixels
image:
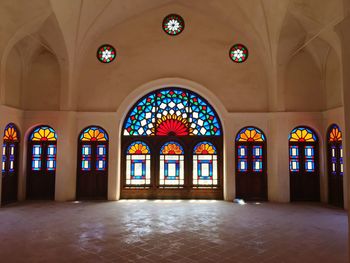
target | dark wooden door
[
  {"x": 41, "y": 170},
  {"x": 304, "y": 172},
  {"x": 92, "y": 174},
  {"x": 9, "y": 172},
  {"x": 251, "y": 176},
  {"x": 335, "y": 173}
]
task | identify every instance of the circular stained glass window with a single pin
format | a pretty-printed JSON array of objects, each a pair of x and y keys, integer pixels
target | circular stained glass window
[
  {"x": 238, "y": 53},
  {"x": 106, "y": 53},
  {"x": 173, "y": 24}
]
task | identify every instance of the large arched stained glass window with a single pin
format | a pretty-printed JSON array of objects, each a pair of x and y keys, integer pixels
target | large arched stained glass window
[
  {"x": 41, "y": 163},
  {"x": 172, "y": 111},
  {"x": 10, "y": 149},
  {"x": 171, "y": 168},
  {"x": 172, "y": 121},
  {"x": 138, "y": 164},
  {"x": 205, "y": 167},
  {"x": 303, "y": 165},
  {"x": 92, "y": 177},
  {"x": 251, "y": 176},
  {"x": 335, "y": 166}
]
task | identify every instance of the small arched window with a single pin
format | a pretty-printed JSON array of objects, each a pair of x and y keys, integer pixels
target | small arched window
[
  {"x": 171, "y": 168},
  {"x": 205, "y": 164},
  {"x": 251, "y": 175},
  {"x": 138, "y": 164}
]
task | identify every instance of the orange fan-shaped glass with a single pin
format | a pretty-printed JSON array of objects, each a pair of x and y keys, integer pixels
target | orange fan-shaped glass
[
  {"x": 93, "y": 134},
  {"x": 302, "y": 134},
  {"x": 138, "y": 147},
  {"x": 204, "y": 148},
  {"x": 171, "y": 148},
  {"x": 10, "y": 133},
  {"x": 335, "y": 134},
  {"x": 250, "y": 134},
  {"x": 43, "y": 133}
]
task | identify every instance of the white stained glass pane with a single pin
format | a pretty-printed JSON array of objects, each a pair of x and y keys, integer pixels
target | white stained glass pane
[
  {"x": 205, "y": 169},
  {"x": 85, "y": 164},
  {"x": 309, "y": 165},
  {"x": 341, "y": 152},
  {"x": 3, "y": 166},
  {"x": 51, "y": 151},
  {"x": 100, "y": 151},
  {"x": 162, "y": 157},
  {"x": 215, "y": 157},
  {"x": 181, "y": 157},
  {"x": 171, "y": 169},
  {"x": 243, "y": 165},
  {"x": 100, "y": 164},
  {"x": 12, "y": 152},
  {"x": 257, "y": 151},
  {"x": 161, "y": 172},
  {"x": 195, "y": 173},
  {"x": 37, "y": 150},
  {"x": 138, "y": 157},
  {"x": 148, "y": 170},
  {"x": 242, "y": 151},
  {"x": 205, "y": 157},
  {"x": 333, "y": 167},
  {"x": 341, "y": 168},
  {"x": 148, "y": 181},
  {"x": 138, "y": 169},
  {"x": 333, "y": 152},
  {"x": 171, "y": 157},
  {"x": 294, "y": 165},
  {"x": 50, "y": 164},
  {"x": 11, "y": 165},
  {"x": 215, "y": 170},
  {"x": 257, "y": 165},
  {"x": 4, "y": 150},
  {"x": 308, "y": 152},
  {"x": 181, "y": 170},
  {"x": 294, "y": 152},
  {"x": 36, "y": 164},
  {"x": 128, "y": 167}
]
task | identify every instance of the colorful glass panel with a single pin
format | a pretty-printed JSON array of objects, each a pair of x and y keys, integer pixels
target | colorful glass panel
[
  {"x": 86, "y": 157},
  {"x": 4, "y": 157},
  {"x": 36, "y": 157},
  {"x": 11, "y": 133},
  {"x": 172, "y": 111},
  {"x": 51, "y": 157},
  {"x": 93, "y": 134},
  {"x": 238, "y": 53},
  {"x": 257, "y": 158},
  {"x": 335, "y": 135},
  {"x": 171, "y": 148},
  {"x": 309, "y": 158},
  {"x": 43, "y": 133},
  {"x": 106, "y": 53},
  {"x": 204, "y": 148},
  {"x": 302, "y": 134},
  {"x": 242, "y": 153},
  {"x": 205, "y": 165},
  {"x": 250, "y": 134},
  {"x": 294, "y": 158},
  {"x": 101, "y": 157},
  {"x": 173, "y": 24},
  {"x": 138, "y": 147}
]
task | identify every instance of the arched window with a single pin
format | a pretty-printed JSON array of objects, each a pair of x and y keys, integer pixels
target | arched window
[
  {"x": 303, "y": 165},
  {"x": 335, "y": 166},
  {"x": 92, "y": 177},
  {"x": 251, "y": 176},
  {"x": 138, "y": 164},
  {"x": 177, "y": 119},
  {"x": 41, "y": 163},
  {"x": 205, "y": 164},
  {"x": 10, "y": 150},
  {"x": 171, "y": 167}
]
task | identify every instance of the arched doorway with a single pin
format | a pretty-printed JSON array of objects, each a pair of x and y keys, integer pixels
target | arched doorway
[
  {"x": 304, "y": 165},
  {"x": 168, "y": 124},
  {"x": 335, "y": 166},
  {"x": 251, "y": 175},
  {"x": 41, "y": 163},
  {"x": 10, "y": 151},
  {"x": 92, "y": 168}
]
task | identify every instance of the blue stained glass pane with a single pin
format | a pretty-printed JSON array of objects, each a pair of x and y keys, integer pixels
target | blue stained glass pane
[
  {"x": 309, "y": 151},
  {"x": 294, "y": 151},
  {"x": 242, "y": 165},
  {"x": 309, "y": 166},
  {"x": 257, "y": 152},
  {"x": 36, "y": 157},
  {"x": 171, "y": 169},
  {"x": 101, "y": 157},
  {"x": 4, "y": 157},
  {"x": 205, "y": 169},
  {"x": 86, "y": 157},
  {"x": 294, "y": 165},
  {"x": 257, "y": 165},
  {"x": 12, "y": 159},
  {"x": 138, "y": 169},
  {"x": 51, "y": 158},
  {"x": 242, "y": 151}
]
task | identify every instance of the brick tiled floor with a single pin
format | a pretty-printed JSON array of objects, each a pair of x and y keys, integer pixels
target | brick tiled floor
[{"x": 172, "y": 231}]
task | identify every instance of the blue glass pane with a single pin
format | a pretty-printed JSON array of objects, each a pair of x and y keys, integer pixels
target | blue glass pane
[
  {"x": 51, "y": 158},
  {"x": 171, "y": 169},
  {"x": 4, "y": 157},
  {"x": 205, "y": 169},
  {"x": 294, "y": 165},
  {"x": 309, "y": 166},
  {"x": 294, "y": 151},
  {"x": 138, "y": 169},
  {"x": 101, "y": 157},
  {"x": 242, "y": 151},
  {"x": 86, "y": 157},
  {"x": 36, "y": 157},
  {"x": 242, "y": 165}
]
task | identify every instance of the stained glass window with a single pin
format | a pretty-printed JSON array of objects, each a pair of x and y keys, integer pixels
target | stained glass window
[
  {"x": 173, "y": 24},
  {"x": 11, "y": 133},
  {"x": 302, "y": 134},
  {"x": 171, "y": 170},
  {"x": 106, "y": 53},
  {"x": 36, "y": 157},
  {"x": 51, "y": 157},
  {"x": 138, "y": 164},
  {"x": 239, "y": 53},
  {"x": 294, "y": 162},
  {"x": 43, "y": 133},
  {"x": 172, "y": 111},
  {"x": 94, "y": 134},
  {"x": 86, "y": 157},
  {"x": 250, "y": 134},
  {"x": 205, "y": 165},
  {"x": 336, "y": 148},
  {"x": 335, "y": 134}
]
